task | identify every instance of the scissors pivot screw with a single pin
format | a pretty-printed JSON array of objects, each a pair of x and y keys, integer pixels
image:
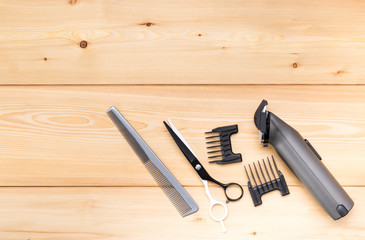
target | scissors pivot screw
[{"x": 198, "y": 167}]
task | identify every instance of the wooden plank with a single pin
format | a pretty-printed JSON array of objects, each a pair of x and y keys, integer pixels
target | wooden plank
[
  {"x": 61, "y": 136},
  {"x": 134, "y": 213},
  {"x": 184, "y": 42}
]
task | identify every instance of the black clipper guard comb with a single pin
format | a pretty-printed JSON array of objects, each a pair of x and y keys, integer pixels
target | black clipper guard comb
[
  {"x": 268, "y": 186},
  {"x": 222, "y": 146}
]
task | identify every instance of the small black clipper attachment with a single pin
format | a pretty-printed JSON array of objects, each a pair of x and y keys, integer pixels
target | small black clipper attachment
[
  {"x": 219, "y": 142},
  {"x": 268, "y": 186}
]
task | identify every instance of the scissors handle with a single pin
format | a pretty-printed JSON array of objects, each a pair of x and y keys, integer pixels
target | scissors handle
[
  {"x": 226, "y": 186},
  {"x": 213, "y": 203}
]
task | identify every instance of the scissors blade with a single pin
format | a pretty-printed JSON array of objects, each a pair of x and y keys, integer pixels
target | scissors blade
[
  {"x": 179, "y": 135},
  {"x": 180, "y": 141}
]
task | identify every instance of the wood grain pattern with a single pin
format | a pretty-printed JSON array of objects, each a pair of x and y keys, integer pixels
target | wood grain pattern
[
  {"x": 182, "y": 42},
  {"x": 67, "y": 173},
  {"x": 61, "y": 136},
  {"x": 126, "y": 213}
]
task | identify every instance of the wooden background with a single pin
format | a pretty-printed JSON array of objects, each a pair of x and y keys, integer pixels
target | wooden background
[{"x": 66, "y": 172}]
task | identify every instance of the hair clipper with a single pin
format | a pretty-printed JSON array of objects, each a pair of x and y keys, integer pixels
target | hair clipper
[{"x": 304, "y": 162}]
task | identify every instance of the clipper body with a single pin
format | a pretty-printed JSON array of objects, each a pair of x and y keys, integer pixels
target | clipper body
[{"x": 304, "y": 162}]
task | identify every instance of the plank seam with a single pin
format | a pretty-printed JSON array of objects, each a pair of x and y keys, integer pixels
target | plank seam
[{"x": 193, "y": 85}]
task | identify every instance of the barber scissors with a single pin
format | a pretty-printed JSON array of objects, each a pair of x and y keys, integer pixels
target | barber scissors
[{"x": 204, "y": 175}]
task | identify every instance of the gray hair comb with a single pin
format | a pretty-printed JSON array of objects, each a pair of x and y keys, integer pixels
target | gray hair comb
[{"x": 178, "y": 196}]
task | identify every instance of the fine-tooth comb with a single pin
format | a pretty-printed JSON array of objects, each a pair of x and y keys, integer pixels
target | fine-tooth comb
[
  {"x": 268, "y": 186},
  {"x": 220, "y": 143},
  {"x": 178, "y": 196}
]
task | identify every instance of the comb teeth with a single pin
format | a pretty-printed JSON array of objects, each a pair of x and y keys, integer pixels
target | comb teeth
[
  {"x": 257, "y": 191},
  {"x": 215, "y": 151},
  {"x": 216, "y": 156},
  {"x": 174, "y": 191},
  {"x": 180, "y": 202},
  {"x": 212, "y": 137},
  {"x": 220, "y": 143}
]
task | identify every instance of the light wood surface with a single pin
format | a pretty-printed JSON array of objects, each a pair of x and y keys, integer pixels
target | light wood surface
[
  {"x": 180, "y": 42},
  {"x": 67, "y": 173},
  {"x": 140, "y": 213},
  {"x": 62, "y": 136}
]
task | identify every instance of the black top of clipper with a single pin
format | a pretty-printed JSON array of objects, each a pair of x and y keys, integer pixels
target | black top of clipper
[{"x": 262, "y": 122}]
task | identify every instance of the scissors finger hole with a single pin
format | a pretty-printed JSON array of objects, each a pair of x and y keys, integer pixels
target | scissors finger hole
[
  {"x": 234, "y": 191},
  {"x": 218, "y": 211}
]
